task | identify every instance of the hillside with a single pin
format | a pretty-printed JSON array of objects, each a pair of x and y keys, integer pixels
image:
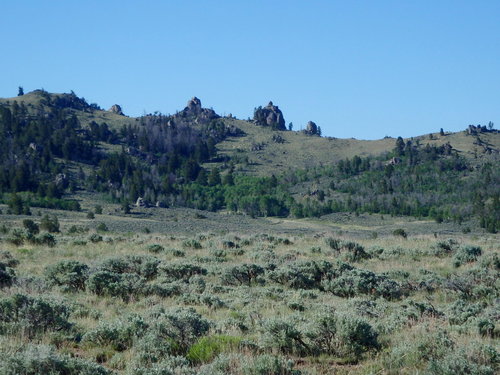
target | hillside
[
  {"x": 294, "y": 149},
  {"x": 194, "y": 244},
  {"x": 58, "y": 147}
]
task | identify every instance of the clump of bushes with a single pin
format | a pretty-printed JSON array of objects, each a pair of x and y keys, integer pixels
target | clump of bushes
[
  {"x": 342, "y": 279},
  {"x": 352, "y": 251},
  {"x": 7, "y": 265},
  {"x": 155, "y": 248},
  {"x": 32, "y": 315},
  {"x": 236, "y": 364},
  {"x": 142, "y": 265},
  {"x": 181, "y": 271},
  {"x": 466, "y": 254},
  {"x": 119, "y": 334},
  {"x": 71, "y": 275},
  {"x": 42, "y": 359},
  {"x": 244, "y": 274},
  {"x": 325, "y": 333}
]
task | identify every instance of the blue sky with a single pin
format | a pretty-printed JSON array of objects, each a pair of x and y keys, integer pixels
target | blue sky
[{"x": 362, "y": 69}]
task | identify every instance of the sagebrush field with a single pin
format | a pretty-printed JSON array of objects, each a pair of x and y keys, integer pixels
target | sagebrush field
[{"x": 362, "y": 300}]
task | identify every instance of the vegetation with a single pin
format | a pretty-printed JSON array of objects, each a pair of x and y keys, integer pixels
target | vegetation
[{"x": 382, "y": 264}]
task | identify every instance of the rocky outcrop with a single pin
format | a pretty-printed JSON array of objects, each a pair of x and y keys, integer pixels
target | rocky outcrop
[
  {"x": 311, "y": 128},
  {"x": 115, "y": 108},
  {"x": 271, "y": 116},
  {"x": 195, "y": 110}
]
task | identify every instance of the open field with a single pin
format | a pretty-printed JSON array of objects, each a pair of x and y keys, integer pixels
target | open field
[{"x": 216, "y": 293}]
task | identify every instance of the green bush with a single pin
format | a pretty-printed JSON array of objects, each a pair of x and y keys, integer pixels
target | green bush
[
  {"x": 71, "y": 275},
  {"x": 400, "y": 232},
  {"x": 50, "y": 223},
  {"x": 46, "y": 239},
  {"x": 466, "y": 254},
  {"x": 7, "y": 259},
  {"x": 462, "y": 362},
  {"x": 237, "y": 364},
  {"x": 155, "y": 248},
  {"x": 7, "y": 275},
  {"x": 181, "y": 271},
  {"x": 192, "y": 244},
  {"x": 95, "y": 238},
  {"x": 142, "y": 265},
  {"x": 209, "y": 347},
  {"x": 105, "y": 283},
  {"x": 31, "y": 227},
  {"x": 32, "y": 315},
  {"x": 182, "y": 326},
  {"x": 244, "y": 274},
  {"x": 41, "y": 359},
  {"x": 120, "y": 334}
]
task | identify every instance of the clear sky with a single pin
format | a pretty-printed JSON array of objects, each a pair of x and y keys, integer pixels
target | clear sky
[{"x": 362, "y": 69}]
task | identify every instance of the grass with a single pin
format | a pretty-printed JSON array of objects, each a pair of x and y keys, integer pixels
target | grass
[{"x": 244, "y": 309}]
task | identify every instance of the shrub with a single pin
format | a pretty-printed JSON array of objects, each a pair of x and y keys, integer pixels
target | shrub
[
  {"x": 466, "y": 254},
  {"x": 461, "y": 311},
  {"x": 237, "y": 364},
  {"x": 7, "y": 259},
  {"x": 31, "y": 227},
  {"x": 69, "y": 274},
  {"x": 50, "y": 223},
  {"x": 7, "y": 275},
  {"x": 209, "y": 347},
  {"x": 352, "y": 281},
  {"x": 152, "y": 348},
  {"x": 32, "y": 315},
  {"x": 192, "y": 244},
  {"x": 181, "y": 271},
  {"x": 101, "y": 227},
  {"x": 95, "y": 238},
  {"x": 41, "y": 359},
  {"x": 119, "y": 334},
  {"x": 285, "y": 336},
  {"x": 244, "y": 274},
  {"x": 446, "y": 247},
  {"x": 142, "y": 265},
  {"x": 461, "y": 362},
  {"x": 155, "y": 248},
  {"x": 46, "y": 239},
  {"x": 355, "y": 336},
  {"x": 400, "y": 232},
  {"x": 302, "y": 274},
  {"x": 181, "y": 326},
  {"x": 105, "y": 283},
  {"x": 340, "y": 335}
]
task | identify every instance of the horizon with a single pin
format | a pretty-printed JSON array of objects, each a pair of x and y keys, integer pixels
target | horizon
[{"x": 363, "y": 71}]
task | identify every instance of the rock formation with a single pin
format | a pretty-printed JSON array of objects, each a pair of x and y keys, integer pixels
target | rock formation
[
  {"x": 270, "y": 116},
  {"x": 115, "y": 108},
  {"x": 311, "y": 128},
  {"x": 194, "y": 109}
]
